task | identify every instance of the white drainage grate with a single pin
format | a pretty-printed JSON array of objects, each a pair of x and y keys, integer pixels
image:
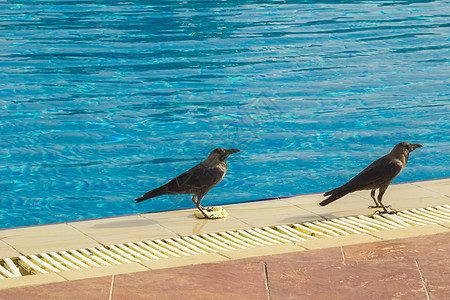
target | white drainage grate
[{"x": 215, "y": 242}]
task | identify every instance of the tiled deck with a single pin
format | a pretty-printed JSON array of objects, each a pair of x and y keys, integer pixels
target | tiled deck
[{"x": 409, "y": 263}]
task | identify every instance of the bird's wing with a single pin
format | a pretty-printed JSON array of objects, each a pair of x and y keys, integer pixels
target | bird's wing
[
  {"x": 380, "y": 172},
  {"x": 197, "y": 178}
]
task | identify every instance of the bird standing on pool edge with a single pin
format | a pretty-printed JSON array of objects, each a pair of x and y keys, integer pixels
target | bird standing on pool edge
[
  {"x": 198, "y": 181},
  {"x": 378, "y": 175}
]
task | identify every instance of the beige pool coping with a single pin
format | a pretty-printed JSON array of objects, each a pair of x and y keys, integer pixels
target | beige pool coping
[{"x": 173, "y": 224}]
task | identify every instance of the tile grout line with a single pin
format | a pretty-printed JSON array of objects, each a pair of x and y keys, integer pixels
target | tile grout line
[
  {"x": 427, "y": 189},
  {"x": 309, "y": 211},
  {"x": 442, "y": 225},
  {"x": 250, "y": 225},
  {"x": 423, "y": 280},
  {"x": 84, "y": 233},
  {"x": 224, "y": 255},
  {"x": 343, "y": 254},
  {"x": 112, "y": 286},
  {"x": 9, "y": 245},
  {"x": 266, "y": 273},
  {"x": 157, "y": 222}
]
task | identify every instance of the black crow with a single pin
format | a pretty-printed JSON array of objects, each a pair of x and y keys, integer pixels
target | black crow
[
  {"x": 376, "y": 176},
  {"x": 198, "y": 181}
]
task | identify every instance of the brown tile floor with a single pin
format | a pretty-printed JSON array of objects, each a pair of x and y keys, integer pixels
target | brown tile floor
[
  {"x": 437, "y": 274},
  {"x": 411, "y": 268}
]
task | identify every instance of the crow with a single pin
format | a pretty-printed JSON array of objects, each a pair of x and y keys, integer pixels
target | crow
[
  {"x": 198, "y": 181},
  {"x": 377, "y": 175}
]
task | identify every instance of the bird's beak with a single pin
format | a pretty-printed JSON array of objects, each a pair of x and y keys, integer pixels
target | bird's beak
[
  {"x": 415, "y": 146},
  {"x": 231, "y": 151}
]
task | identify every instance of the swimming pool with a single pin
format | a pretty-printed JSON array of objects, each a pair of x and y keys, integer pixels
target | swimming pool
[{"x": 102, "y": 102}]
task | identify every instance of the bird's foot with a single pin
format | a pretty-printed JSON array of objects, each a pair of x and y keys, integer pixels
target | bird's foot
[
  {"x": 202, "y": 210},
  {"x": 211, "y": 212},
  {"x": 207, "y": 216},
  {"x": 391, "y": 212},
  {"x": 209, "y": 208},
  {"x": 374, "y": 206},
  {"x": 378, "y": 206}
]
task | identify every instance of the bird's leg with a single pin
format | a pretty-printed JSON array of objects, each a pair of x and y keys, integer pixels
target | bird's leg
[
  {"x": 193, "y": 199},
  {"x": 372, "y": 194},
  {"x": 385, "y": 211},
  {"x": 380, "y": 196},
  {"x": 377, "y": 205},
  {"x": 199, "y": 207}
]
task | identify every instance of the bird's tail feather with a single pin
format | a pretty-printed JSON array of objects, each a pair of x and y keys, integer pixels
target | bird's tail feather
[
  {"x": 162, "y": 190},
  {"x": 330, "y": 192},
  {"x": 335, "y": 194}
]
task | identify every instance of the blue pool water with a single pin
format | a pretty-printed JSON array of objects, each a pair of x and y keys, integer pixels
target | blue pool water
[{"x": 102, "y": 101}]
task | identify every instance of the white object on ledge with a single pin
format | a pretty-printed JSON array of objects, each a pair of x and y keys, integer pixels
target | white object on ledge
[{"x": 213, "y": 212}]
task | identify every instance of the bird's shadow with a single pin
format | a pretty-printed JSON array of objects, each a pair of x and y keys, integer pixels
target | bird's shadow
[{"x": 124, "y": 224}]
